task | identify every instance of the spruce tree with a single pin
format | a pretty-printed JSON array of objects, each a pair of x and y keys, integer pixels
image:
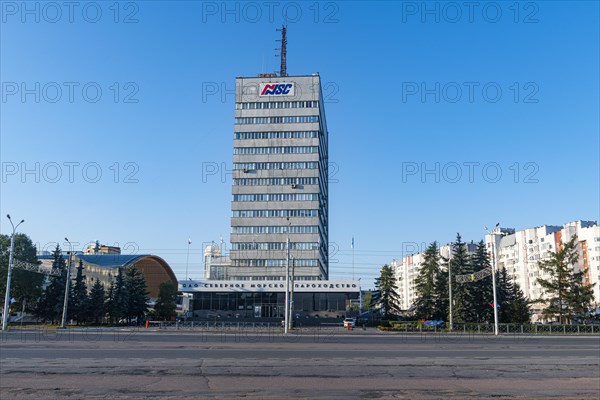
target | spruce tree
[
  {"x": 96, "y": 302},
  {"x": 166, "y": 303},
  {"x": 137, "y": 304},
  {"x": 442, "y": 300},
  {"x": 566, "y": 294},
  {"x": 119, "y": 298},
  {"x": 462, "y": 294},
  {"x": 25, "y": 285},
  {"x": 425, "y": 283},
  {"x": 386, "y": 295},
  {"x": 50, "y": 306},
  {"x": 482, "y": 289},
  {"x": 78, "y": 307}
]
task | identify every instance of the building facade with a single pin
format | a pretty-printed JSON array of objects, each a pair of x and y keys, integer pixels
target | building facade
[
  {"x": 280, "y": 180},
  {"x": 520, "y": 252},
  {"x": 407, "y": 269}
]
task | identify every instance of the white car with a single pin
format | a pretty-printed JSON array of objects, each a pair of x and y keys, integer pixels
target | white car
[{"x": 349, "y": 322}]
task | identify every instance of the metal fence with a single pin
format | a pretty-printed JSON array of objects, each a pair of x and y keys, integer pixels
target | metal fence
[{"x": 502, "y": 328}]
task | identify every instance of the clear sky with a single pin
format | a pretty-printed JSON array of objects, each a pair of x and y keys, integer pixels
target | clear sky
[{"x": 123, "y": 114}]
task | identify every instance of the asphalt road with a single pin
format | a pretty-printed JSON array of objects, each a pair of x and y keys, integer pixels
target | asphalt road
[{"x": 334, "y": 364}]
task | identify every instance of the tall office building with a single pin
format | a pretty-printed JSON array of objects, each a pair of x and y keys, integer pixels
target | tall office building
[{"x": 280, "y": 187}]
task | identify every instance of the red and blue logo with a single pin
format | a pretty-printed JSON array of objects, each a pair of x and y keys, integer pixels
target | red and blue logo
[{"x": 276, "y": 89}]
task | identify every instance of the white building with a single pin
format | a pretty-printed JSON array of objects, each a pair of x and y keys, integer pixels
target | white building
[
  {"x": 407, "y": 269},
  {"x": 520, "y": 252}
]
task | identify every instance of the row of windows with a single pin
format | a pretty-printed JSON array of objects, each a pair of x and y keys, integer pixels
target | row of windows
[
  {"x": 275, "y": 246},
  {"x": 297, "y": 119},
  {"x": 275, "y": 229},
  {"x": 274, "y": 263},
  {"x": 274, "y": 213},
  {"x": 277, "y": 197},
  {"x": 275, "y": 165},
  {"x": 277, "y": 135},
  {"x": 264, "y": 105},
  {"x": 274, "y": 181},
  {"x": 277, "y": 150}
]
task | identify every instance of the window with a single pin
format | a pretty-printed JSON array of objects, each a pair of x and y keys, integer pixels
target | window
[
  {"x": 277, "y": 197},
  {"x": 274, "y": 229},
  {"x": 268, "y": 105},
  {"x": 276, "y": 150},
  {"x": 275, "y": 165},
  {"x": 273, "y": 213},
  {"x": 277, "y": 120},
  {"x": 276, "y": 135},
  {"x": 274, "y": 181}
]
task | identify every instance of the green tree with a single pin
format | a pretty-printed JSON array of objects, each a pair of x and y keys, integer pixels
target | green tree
[
  {"x": 137, "y": 304},
  {"x": 96, "y": 302},
  {"x": 50, "y": 306},
  {"x": 385, "y": 295},
  {"x": 25, "y": 285},
  {"x": 442, "y": 300},
  {"x": 513, "y": 306},
  {"x": 482, "y": 290},
  {"x": 118, "y": 298},
  {"x": 462, "y": 294},
  {"x": 566, "y": 294},
  {"x": 426, "y": 284},
  {"x": 78, "y": 299},
  {"x": 166, "y": 304},
  {"x": 367, "y": 300}
]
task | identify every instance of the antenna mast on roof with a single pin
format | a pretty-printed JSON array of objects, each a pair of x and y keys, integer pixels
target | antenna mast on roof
[{"x": 283, "y": 68}]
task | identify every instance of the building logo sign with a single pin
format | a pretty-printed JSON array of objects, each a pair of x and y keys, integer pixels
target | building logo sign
[{"x": 276, "y": 89}]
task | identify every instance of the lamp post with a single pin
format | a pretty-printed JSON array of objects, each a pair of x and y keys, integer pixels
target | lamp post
[
  {"x": 450, "y": 323},
  {"x": 9, "y": 274},
  {"x": 66, "y": 300},
  {"x": 494, "y": 280}
]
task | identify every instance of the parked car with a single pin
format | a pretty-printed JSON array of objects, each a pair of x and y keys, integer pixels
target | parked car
[
  {"x": 349, "y": 322},
  {"x": 433, "y": 323}
]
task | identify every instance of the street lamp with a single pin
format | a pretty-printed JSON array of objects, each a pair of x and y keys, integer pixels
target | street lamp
[
  {"x": 9, "y": 274},
  {"x": 494, "y": 280},
  {"x": 66, "y": 301}
]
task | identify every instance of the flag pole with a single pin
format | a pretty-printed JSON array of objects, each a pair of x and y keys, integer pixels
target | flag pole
[{"x": 187, "y": 260}]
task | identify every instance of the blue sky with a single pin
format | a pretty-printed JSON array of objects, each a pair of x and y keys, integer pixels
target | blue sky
[{"x": 497, "y": 89}]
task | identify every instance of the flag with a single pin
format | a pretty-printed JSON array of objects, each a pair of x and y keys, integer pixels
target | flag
[
  {"x": 189, "y": 241},
  {"x": 352, "y": 242}
]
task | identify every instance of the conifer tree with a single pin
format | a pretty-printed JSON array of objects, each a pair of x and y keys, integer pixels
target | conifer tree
[
  {"x": 96, "y": 302},
  {"x": 426, "y": 285},
  {"x": 137, "y": 303},
  {"x": 78, "y": 303},
  {"x": 462, "y": 294},
  {"x": 386, "y": 295},
  {"x": 50, "y": 306}
]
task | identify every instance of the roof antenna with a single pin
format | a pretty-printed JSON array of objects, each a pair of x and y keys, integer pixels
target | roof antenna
[{"x": 283, "y": 49}]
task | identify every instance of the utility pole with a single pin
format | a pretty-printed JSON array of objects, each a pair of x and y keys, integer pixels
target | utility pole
[
  {"x": 287, "y": 284},
  {"x": 291, "y": 312},
  {"x": 66, "y": 300},
  {"x": 450, "y": 296},
  {"x": 11, "y": 259},
  {"x": 494, "y": 279}
]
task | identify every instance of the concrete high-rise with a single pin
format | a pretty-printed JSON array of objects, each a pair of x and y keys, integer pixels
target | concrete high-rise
[{"x": 280, "y": 187}]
